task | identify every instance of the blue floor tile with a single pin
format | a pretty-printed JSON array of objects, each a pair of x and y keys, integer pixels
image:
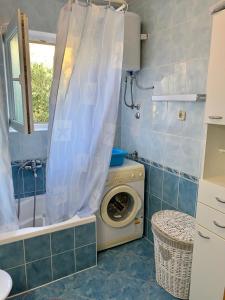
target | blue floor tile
[
  {"x": 126, "y": 272},
  {"x": 187, "y": 196}
]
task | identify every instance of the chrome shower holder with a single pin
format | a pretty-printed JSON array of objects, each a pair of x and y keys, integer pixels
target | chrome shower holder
[{"x": 32, "y": 165}]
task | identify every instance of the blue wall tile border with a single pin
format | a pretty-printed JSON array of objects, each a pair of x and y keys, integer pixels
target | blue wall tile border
[
  {"x": 173, "y": 183},
  {"x": 165, "y": 168},
  {"x": 23, "y": 180},
  {"x": 37, "y": 261}
]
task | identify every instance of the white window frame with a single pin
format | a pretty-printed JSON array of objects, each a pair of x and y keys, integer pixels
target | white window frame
[{"x": 19, "y": 25}]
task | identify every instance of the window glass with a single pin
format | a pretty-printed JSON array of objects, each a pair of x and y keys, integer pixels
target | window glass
[
  {"x": 41, "y": 58},
  {"x": 18, "y": 102},
  {"x": 15, "y": 59}
]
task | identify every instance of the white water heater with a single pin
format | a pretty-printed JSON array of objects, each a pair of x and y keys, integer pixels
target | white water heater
[{"x": 132, "y": 42}]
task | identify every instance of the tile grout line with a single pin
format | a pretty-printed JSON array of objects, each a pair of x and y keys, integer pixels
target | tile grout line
[
  {"x": 25, "y": 265},
  {"x": 96, "y": 248},
  {"x": 48, "y": 283},
  {"x": 45, "y": 257},
  {"x": 162, "y": 189},
  {"x": 164, "y": 168},
  {"x": 50, "y": 241},
  {"x": 74, "y": 249},
  {"x": 178, "y": 192},
  {"x": 86, "y": 245}
]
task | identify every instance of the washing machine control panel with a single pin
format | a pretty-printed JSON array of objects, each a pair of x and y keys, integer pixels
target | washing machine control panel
[{"x": 122, "y": 177}]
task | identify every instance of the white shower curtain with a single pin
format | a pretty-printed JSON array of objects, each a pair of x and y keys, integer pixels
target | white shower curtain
[
  {"x": 84, "y": 111},
  {"x": 8, "y": 217}
]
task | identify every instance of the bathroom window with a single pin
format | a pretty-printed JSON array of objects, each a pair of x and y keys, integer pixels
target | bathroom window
[{"x": 29, "y": 59}]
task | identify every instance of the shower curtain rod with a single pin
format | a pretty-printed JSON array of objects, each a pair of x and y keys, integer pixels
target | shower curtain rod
[{"x": 123, "y": 3}]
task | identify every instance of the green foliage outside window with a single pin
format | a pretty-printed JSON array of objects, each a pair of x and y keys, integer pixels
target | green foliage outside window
[{"x": 41, "y": 86}]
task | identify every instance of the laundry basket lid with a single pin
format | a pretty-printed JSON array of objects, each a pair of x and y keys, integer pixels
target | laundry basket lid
[{"x": 175, "y": 225}]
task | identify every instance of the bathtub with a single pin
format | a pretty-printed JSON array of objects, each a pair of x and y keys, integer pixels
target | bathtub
[{"x": 37, "y": 256}]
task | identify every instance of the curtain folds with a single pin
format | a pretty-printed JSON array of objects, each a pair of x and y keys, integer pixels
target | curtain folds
[
  {"x": 8, "y": 217},
  {"x": 84, "y": 109}
]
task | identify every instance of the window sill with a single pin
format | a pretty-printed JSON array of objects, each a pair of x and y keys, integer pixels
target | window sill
[
  {"x": 37, "y": 127},
  {"x": 41, "y": 127}
]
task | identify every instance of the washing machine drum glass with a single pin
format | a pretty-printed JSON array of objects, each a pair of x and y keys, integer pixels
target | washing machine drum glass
[{"x": 120, "y": 206}]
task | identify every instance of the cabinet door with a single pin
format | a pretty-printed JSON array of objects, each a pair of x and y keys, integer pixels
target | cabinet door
[
  {"x": 212, "y": 195},
  {"x": 215, "y": 105},
  {"x": 208, "y": 267}
]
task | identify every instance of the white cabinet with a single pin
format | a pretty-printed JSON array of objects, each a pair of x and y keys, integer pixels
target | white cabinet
[
  {"x": 213, "y": 195},
  {"x": 208, "y": 267},
  {"x": 211, "y": 219},
  {"x": 215, "y": 104}
]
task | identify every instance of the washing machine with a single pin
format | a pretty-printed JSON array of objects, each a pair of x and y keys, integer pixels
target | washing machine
[{"x": 121, "y": 214}]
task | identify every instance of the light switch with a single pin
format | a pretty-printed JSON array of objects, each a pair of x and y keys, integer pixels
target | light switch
[{"x": 182, "y": 115}]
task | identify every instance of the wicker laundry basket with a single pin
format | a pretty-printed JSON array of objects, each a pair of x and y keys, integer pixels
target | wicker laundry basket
[{"x": 173, "y": 233}]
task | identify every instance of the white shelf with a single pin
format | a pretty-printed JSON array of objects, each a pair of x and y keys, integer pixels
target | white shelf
[{"x": 180, "y": 98}]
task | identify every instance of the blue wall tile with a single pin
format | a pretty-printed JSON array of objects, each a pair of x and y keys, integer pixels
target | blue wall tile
[
  {"x": 19, "y": 279},
  {"x": 187, "y": 196},
  {"x": 85, "y": 234},
  {"x": 28, "y": 178},
  {"x": 175, "y": 61},
  {"x": 85, "y": 257},
  {"x": 17, "y": 181},
  {"x": 62, "y": 240},
  {"x": 38, "y": 247},
  {"x": 150, "y": 234},
  {"x": 175, "y": 188},
  {"x": 23, "y": 181},
  {"x": 42, "y": 264},
  {"x": 11, "y": 255},
  {"x": 39, "y": 272},
  {"x": 166, "y": 206},
  {"x": 44, "y": 176},
  {"x": 63, "y": 264},
  {"x": 170, "y": 188},
  {"x": 154, "y": 205},
  {"x": 156, "y": 180}
]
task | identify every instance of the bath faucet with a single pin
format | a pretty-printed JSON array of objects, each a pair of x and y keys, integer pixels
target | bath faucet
[{"x": 33, "y": 165}]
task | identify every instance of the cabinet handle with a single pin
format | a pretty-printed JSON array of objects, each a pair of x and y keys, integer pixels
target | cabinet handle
[
  {"x": 203, "y": 236},
  {"x": 218, "y": 225},
  {"x": 215, "y": 117},
  {"x": 220, "y": 200}
]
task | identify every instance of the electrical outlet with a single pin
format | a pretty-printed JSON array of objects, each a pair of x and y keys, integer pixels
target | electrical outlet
[{"x": 182, "y": 115}]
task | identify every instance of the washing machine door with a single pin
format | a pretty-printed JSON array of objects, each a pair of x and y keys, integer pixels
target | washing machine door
[{"x": 120, "y": 206}]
